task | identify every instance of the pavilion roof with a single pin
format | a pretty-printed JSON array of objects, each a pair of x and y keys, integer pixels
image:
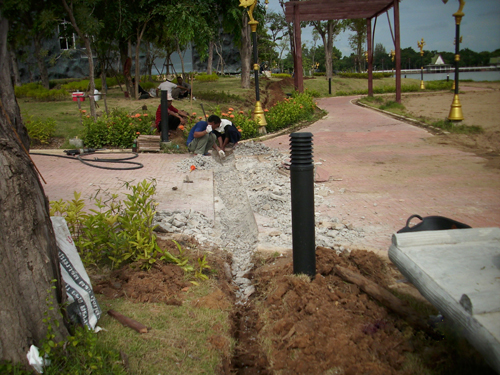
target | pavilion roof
[{"x": 318, "y": 10}]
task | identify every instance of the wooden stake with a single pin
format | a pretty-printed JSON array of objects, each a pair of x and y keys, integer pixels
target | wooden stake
[{"x": 131, "y": 323}]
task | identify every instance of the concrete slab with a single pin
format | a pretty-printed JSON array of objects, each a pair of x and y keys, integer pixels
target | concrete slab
[{"x": 458, "y": 271}]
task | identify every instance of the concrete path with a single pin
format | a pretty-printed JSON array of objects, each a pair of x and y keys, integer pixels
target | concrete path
[{"x": 382, "y": 171}]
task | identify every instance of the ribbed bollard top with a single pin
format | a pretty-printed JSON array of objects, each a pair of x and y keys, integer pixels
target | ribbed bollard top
[{"x": 301, "y": 148}]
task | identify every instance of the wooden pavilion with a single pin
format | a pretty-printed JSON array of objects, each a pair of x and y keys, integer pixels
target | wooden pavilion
[{"x": 322, "y": 10}]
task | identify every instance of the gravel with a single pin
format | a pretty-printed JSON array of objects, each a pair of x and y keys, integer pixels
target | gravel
[{"x": 253, "y": 209}]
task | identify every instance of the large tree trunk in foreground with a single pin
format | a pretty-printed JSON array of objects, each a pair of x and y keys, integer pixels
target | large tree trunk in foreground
[
  {"x": 28, "y": 250},
  {"x": 9, "y": 105}
]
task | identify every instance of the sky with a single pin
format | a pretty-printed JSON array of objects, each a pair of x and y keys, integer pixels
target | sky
[{"x": 432, "y": 20}]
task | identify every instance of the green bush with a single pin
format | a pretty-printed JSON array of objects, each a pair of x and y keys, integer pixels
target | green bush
[
  {"x": 121, "y": 231},
  {"x": 203, "y": 77},
  {"x": 438, "y": 85},
  {"x": 218, "y": 96},
  {"x": 281, "y": 75},
  {"x": 39, "y": 131},
  {"x": 365, "y": 75},
  {"x": 243, "y": 122},
  {"x": 119, "y": 129},
  {"x": 38, "y": 92},
  {"x": 319, "y": 74},
  {"x": 290, "y": 111}
]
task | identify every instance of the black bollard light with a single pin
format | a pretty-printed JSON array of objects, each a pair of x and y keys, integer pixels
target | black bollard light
[
  {"x": 330, "y": 86},
  {"x": 302, "y": 189},
  {"x": 164, "y": 116}
]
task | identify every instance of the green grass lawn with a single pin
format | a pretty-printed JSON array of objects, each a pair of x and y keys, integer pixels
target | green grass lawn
[{"x": 224, "y": 93}]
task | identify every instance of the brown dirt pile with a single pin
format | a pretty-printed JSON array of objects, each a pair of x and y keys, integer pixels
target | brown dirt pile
[{"x": 328, "y": 325}]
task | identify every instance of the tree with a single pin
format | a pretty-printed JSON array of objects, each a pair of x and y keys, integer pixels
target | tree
[
  {"x": 379, "y": 56},
  {"x": 328, "y": 30},
  {"x": 33, "y": 21},
  {"x": 356, "y": 40},
  {"x": 28, "y": 249},
  {"x": 86, "y": 26}
]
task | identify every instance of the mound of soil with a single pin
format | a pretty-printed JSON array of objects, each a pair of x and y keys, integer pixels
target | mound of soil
[
  {"x": 295, "y": 325},
  {"x": 327, "y": 324}
]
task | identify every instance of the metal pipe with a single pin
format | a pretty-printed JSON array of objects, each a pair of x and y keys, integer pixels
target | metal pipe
[
  {"x": 302, "y": 190},
  {"x": 164, "y": 116}
]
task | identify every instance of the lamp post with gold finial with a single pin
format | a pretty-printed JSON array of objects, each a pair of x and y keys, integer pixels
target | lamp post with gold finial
[
  {"x": 421, "y": 46},
  {"x": 392, "y": 54},
  {"x": 456, "y": 108},
  {"x": 258, "y": 113}
]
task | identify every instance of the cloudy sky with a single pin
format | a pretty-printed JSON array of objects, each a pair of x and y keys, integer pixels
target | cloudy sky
[{"x": 433, "y": 21}]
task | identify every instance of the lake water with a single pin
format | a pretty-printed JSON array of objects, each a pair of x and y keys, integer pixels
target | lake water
[{"x": 475, "y": 76}]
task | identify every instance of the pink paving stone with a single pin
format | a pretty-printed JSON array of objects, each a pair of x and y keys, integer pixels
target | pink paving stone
[
  {"x": 65, "y": 176},
  {"x": 390, "y": 172}
]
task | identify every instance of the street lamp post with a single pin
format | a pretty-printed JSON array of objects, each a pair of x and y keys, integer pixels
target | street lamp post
[
  {"x": 258, "y": 113},
  {"x": 456, "y": 108},
  {"x": 391, "y": 55},
  {"x": 421, "y": 46}
]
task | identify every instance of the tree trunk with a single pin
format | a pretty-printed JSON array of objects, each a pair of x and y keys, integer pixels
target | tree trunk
[
  {"x": 329, "y": 50},
  {"x": 140, "y": 33},
  {"x": 40, "y": 59},
  {"x": 181, "y": 57},
  {"x": 28, "y": 250},
  {"x": 245, "y": 53},
  {"x": 9, "y": 107},
  {"x": 16, "y": 77},
  {"x": 210, "y": 57},
  {"x": 88, "y": 52}
]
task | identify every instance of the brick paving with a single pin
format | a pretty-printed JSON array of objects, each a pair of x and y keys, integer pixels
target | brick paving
[
  {"x": 64, "y": 176},
  {"x": 388, "y": 172}
]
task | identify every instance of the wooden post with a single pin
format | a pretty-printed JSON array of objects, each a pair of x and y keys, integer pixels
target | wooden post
[
  {"x": 370, "y": 55},
  {"x": 298, "y": 75},
  {"x": 398, "y": 51}
]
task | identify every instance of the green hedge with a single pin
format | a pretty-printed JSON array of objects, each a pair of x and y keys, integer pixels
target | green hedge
[
  {"x": 119, "y": 129},
  {"x": 203, "y": 77},
  {"x": 365, "y": 75}
]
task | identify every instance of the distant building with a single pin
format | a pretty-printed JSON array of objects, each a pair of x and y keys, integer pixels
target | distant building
[
  {"x": 437, "y": 65},
  {"x": 65, "y": 58}
]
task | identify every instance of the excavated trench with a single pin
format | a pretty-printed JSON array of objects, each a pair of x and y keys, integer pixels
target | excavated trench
[{"x": 235, "y": 221}]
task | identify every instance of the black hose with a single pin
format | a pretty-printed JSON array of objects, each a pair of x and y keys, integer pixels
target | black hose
[{"x": 136, "y": 165}]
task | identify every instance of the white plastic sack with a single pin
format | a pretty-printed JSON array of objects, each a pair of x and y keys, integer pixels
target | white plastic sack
[
  {"x": 35, "y": 360},
  {"x": 81, "y": 298}
]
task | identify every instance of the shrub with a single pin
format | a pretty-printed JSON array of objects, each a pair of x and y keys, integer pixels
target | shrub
[
  {"x": 319, "y": 74},
  {"x": 203, "y": 77},
  {"x": 119, "y": 129},
  {"x": 281, "y": 75},
  {"x": 38, "y": 92},
  {"x": 290, "y": 111},
  {"x": 365, "y": 75},
  {"x": 39, "y": 131},
  {"x": 121, "y": 231},
  {"x": 218, "y": 96}
]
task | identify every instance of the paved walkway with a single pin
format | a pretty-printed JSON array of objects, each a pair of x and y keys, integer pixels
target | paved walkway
[
  {"x": 381, "y": 170},
  {"x": 65, "y": 176},
  {"x": 388, "y": 171}
]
